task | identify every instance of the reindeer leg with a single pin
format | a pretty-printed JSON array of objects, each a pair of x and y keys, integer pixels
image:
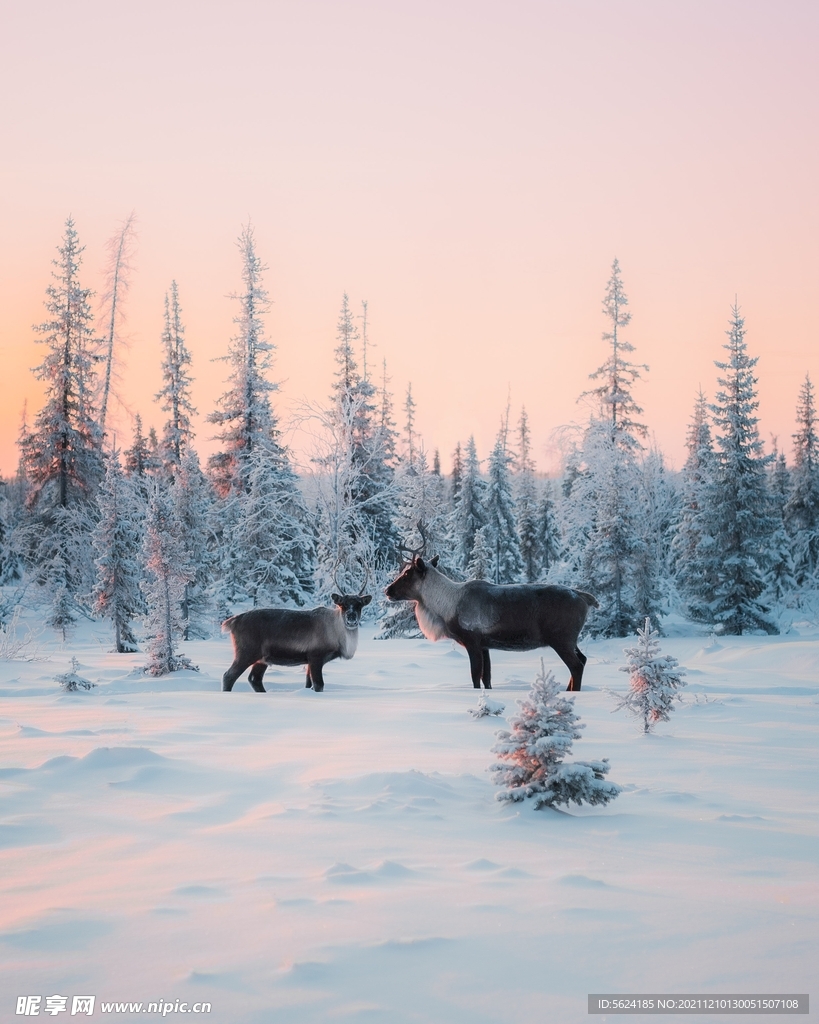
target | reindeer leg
[
  {"x": 256, "y": 676},
  {"x": 475, "y": 665},
  {"x": 574, "y": 662},
  {"x": 308, "y": 681},
  {"x": 316, "y": 675},
  {"x": 233, "y": 673},
  {"x": 487, "y": 671}
]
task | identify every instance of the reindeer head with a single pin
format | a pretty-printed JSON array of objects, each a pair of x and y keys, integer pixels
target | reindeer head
[
  {"x": 408, "y": 586},
  {"x": 352, "y": 605}
]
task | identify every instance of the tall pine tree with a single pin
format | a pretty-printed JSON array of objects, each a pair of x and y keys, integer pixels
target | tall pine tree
[
  {"x": 355, "y": 478},
  {"x": 273, "y": 533},
  {"x": 529, "y": 536},
  {"x": 117, "y": 540},
  {"x": 469, "y": 514},
  {"x": 175, "y": 394},
  {"x": 244, "y": 416},
  {"x": 164, "y": 585},
  {"x": 617, "y": 374},
  {"x": 694, "y": 552},
  {"x": 507, "y": 562},
  {"x": 740, "y": 503},
  {"x": 802, "y": 508},
  {"x": 193, "y": 499},
  {"x": 604, "y": 550},
  {"x": 62, "y": 453}
]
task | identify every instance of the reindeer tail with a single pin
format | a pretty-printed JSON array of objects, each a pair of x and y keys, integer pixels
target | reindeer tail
[
  {"x": 227, "y": 625},
  {"x": 592, "y": 602}
]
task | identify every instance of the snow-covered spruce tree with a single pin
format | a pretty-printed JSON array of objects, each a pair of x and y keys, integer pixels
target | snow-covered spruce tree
[
  {"x": 654, "y": 679},
  {"x": 658, "y": 501},
  {"x": 481, "y": 561},
  {"x": 531, "y": 754},
  {"x": 410, "y": 437},
  {"x": 193, "y": 499},
  {"x": 140, "y": 460},
  {"x": 507, "y": 561},
  {"x": 526, "y": 506},
  {"x": 62, "y": 453},
  {"x": 376, "y": 492},
  {"x": 121, "y": 248},
  {"x": 12, "y": 509},
  {"x": 354, "y": 486},
  {"x": 617, "y": 374},
  {"x": 456, "y": 477},
  {"x": 229, "y": 568},
  {"x": 274, "y": 534},
  {"x": 7, "y": 557},
  {"x": 373, "y": 455},
  {"x": 802, "y": 508},
  {"x": 117, "y": 541},
  {"x": 244, "y": 415},
  {"x": 603, "y": 539},
  {"x": 175, "y": 393},
  {"x": 469, "y": 514},
  {"x": 167, "y": 574},
  {"x": 136, "y": 458},
  {"x": 740, "y": 504},
  {"x": 780, "y": 582},
  {"x": 548, "y": 530},
  {"x": 694, "y": 553}
]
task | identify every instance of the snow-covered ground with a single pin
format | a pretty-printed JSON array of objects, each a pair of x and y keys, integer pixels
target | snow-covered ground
[{"x": 303, "y": 857}]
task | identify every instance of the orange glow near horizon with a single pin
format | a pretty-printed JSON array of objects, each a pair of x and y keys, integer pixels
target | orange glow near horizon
[{"x": 469, "y": 169}]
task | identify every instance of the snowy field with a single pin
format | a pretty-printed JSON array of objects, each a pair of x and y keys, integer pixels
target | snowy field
[{"x": 299, "y": 857}]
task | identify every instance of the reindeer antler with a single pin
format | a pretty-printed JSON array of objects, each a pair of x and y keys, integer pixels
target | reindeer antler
[
  {"x": 366, "y": 569},
  {"x": 412, "y": 553}
]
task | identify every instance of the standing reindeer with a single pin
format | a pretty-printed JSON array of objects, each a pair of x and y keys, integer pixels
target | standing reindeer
[
  {"x": 483, "y": 616},
  {"x": 284, "y": 636}
]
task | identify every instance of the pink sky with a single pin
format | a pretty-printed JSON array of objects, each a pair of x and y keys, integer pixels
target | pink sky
[{"x": 471, "y": 169}]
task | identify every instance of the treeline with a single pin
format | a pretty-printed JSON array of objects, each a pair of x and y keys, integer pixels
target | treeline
[{"x": 154, "y": 541}]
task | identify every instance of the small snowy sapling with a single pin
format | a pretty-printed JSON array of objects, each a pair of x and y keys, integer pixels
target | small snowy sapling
[
  {"x": 486, "y": 707},
  {"x": 71, "y": 681},
  {"x": 655, "y": 679},
  {"x": 531, "y": 753}
]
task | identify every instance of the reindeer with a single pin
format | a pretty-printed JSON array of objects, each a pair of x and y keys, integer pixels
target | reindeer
[
  {"x": 483, "y": 616},
  {"x": 284, "y": 636}
]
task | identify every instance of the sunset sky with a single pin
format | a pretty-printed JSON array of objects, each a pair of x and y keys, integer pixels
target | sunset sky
[{"x": 469, "y": 168}]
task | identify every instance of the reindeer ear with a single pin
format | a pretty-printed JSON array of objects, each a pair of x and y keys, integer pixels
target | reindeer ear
[
  {"x": 366, "y": 599},
  {"x": 434, "y": 561},
  {"x": 419, "y": 565},
  {"x": 336, "y": 599}
]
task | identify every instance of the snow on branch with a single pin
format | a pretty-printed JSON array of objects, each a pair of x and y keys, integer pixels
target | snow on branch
[{"x": 15, "y": 646}]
